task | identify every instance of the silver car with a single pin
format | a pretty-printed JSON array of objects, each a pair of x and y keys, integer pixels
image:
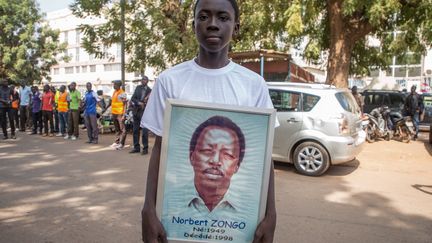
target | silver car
[{"x": 320, "y": 125}]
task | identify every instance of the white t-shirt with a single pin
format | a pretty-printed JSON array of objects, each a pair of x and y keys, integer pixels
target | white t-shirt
[{"x": 232, "y": 85}]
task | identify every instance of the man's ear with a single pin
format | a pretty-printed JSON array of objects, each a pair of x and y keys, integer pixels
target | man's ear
[
  {"x": 191, "y": 158},
  {"x": 193, "y": 26},
  {"x": 236, "y": 30}
]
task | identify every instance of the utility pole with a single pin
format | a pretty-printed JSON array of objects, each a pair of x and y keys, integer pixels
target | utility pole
[{"x": 122, "y": 41}]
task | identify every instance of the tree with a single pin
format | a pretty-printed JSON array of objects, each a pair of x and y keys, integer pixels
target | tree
[
  {"x": 342, "y": 27},
  {"x": 28, "y": 47},
  {"x": 159, "y": 33}
]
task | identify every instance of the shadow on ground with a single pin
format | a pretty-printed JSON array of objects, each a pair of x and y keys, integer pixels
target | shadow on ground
[
  {"x": 65, "y": 191},
  {"x": 61, "y": 191}
]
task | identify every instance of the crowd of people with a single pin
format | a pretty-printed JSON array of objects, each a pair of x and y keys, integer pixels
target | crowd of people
[{"x": 57, "y": 112}]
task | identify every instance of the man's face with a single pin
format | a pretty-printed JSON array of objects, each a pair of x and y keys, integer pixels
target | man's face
[
  {"x": 144, "y": 81},
  {"x": 214, "y": 24},
  {"x": 216, "y": 157},
  {"x": 88, "y": 86},
  {"x": 116, "y": 86},
  {"x": 62, "y": 88},
  {"x": 72, "y": 86}
]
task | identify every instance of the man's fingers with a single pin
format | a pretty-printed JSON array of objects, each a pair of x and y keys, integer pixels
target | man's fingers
[{"x": 258, "y": 235}]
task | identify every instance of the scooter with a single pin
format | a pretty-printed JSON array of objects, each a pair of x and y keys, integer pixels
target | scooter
[
  {"x": 403, "y": 127},
  {"x": 378, "y": 125}
]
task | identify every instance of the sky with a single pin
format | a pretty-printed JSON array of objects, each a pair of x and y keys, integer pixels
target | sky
[{"x": 52, "y": 5}]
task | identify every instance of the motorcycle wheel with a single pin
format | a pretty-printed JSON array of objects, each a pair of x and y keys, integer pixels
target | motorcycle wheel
[
  {"x": 388, "y": 136},
  {"x": 405, "y": 134},
  {"x": 370, "y": 136}
]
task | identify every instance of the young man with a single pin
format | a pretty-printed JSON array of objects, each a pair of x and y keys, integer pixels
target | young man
[
  {"x": 15, "y": 99},
  {"x": 139, "y": 101},
  {"x": 25, "y": 109},
  {"x": 55, "y": 111},
  {"x": 90, "y": 101},
  {"x": 74, "y": 112},
  {"x": 5, "y": 106},
  {"x": 118, "y": 111},
  {"x": 413, "y": 108},
  {"x": 47, "y": 110},
  {"x": 210, "y": 77},
  {"x": 63, "y": 109},
  {"x": 36, "y": 110},
  {"x": 358, "y": 98}
]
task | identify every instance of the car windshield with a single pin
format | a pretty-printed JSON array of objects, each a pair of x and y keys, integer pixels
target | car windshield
[{"x": 346, "y": 100}]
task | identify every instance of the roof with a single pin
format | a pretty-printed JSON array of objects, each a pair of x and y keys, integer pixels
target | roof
[{"x": 270, "y": 54}]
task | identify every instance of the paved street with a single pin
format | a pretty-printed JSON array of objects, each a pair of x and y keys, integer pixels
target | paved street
[{"x": 52, "y": 190}]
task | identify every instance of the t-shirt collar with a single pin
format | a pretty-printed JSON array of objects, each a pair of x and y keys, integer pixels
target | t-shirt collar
[{"x": 208, "y": 71}]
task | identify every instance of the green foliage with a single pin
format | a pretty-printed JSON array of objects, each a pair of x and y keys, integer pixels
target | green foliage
[
  {"x": 360, "y": 18},
  {"x": 160, "y": 34},
  {"x": 28, "y": 47}
]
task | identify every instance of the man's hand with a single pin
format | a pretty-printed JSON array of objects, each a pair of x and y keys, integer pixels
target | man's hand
[
  {"x": 141, "y": 104},
  {"x": 152, "y": 229},
  {"x": 265, "y": 230}
]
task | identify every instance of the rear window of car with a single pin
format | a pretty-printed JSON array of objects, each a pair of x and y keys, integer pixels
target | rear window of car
[
  {"x": 374, "y": 99},
  {"x": 285, "y": 100},
  {"x": 346, "y": 100},
  {"x": 396, "y": 100},
  {"x": 309, "y": 102}
]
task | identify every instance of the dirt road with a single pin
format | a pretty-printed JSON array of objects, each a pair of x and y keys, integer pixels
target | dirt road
[{"x": 52, "y": 190}]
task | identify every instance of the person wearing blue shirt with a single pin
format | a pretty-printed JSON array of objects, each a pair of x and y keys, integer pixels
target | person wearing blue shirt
[
  {"x": 24, "y": 110},
  {"x": 90, "y": 101}
]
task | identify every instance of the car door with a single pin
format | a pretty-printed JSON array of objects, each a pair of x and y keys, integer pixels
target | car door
[{"x": 290, "y": 117}]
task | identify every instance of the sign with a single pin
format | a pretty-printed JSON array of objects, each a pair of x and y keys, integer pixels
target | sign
[{"x": 214, "y": 171}]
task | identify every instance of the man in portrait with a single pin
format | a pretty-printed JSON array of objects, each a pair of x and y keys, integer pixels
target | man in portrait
[{"x": 216, "y": 151}]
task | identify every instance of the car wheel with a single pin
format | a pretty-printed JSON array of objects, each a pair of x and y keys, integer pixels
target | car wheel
[{"x": 311, "y": 159}]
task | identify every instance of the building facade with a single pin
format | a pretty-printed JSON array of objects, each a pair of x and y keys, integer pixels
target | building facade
[{"x": 84, "y": 67}]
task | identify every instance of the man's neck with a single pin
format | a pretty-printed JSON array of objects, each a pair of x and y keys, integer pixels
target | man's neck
[
  {"x": 211, "y": 197},
  {"x": 212, "y": 60}
]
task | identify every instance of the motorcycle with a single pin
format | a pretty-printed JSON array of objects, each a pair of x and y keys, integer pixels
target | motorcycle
[
  {"x": 402, "y": 127},
  {"x": 378, "y": 124}
]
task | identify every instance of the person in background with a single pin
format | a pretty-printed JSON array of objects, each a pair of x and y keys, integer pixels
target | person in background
[
  {"x": 118, "y": 111},
  {"x": 74, "y": 112},
  {"x": 55, "y": 111},
  {"x": 138, "y": 102},
  {"x": 47, "y": 110},
  {"x": 358, "y": 98},
  {"x": 101, "y": 102},
  {"x": 5, "y": 104},
  {"x": 63, "y": 100},
  {"x": 25, "y": 108},
  {"x": 36, "y": 110},
  {"x": 90, "y": 101},
  {"x": 15, "y": 98},
  {"x": 413, "y": 108}
]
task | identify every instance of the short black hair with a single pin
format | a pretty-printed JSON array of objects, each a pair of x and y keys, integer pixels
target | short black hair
[
  {"x": 223, "y": 122},
  {"x": 234, "y": 5}
]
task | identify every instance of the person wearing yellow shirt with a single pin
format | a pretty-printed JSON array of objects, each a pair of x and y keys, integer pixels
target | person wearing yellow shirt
[
  {"x": 118, "y": 111},
  {"x": 62, "y": 101}
]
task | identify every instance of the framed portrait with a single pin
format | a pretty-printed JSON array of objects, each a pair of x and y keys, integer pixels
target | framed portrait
[{"x": 214, "y": 171}]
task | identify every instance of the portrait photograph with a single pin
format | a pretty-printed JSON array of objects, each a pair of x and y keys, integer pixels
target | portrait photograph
[{"x": 214, "y": 171}]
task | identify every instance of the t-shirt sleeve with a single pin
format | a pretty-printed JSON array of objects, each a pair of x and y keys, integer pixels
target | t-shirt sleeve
[
  {"x": 264, "y": 100},
  {"x": 153, "y": 116}
]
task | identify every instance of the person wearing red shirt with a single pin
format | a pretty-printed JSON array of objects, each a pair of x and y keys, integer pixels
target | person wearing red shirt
[{"x": 47, "y": 110}]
